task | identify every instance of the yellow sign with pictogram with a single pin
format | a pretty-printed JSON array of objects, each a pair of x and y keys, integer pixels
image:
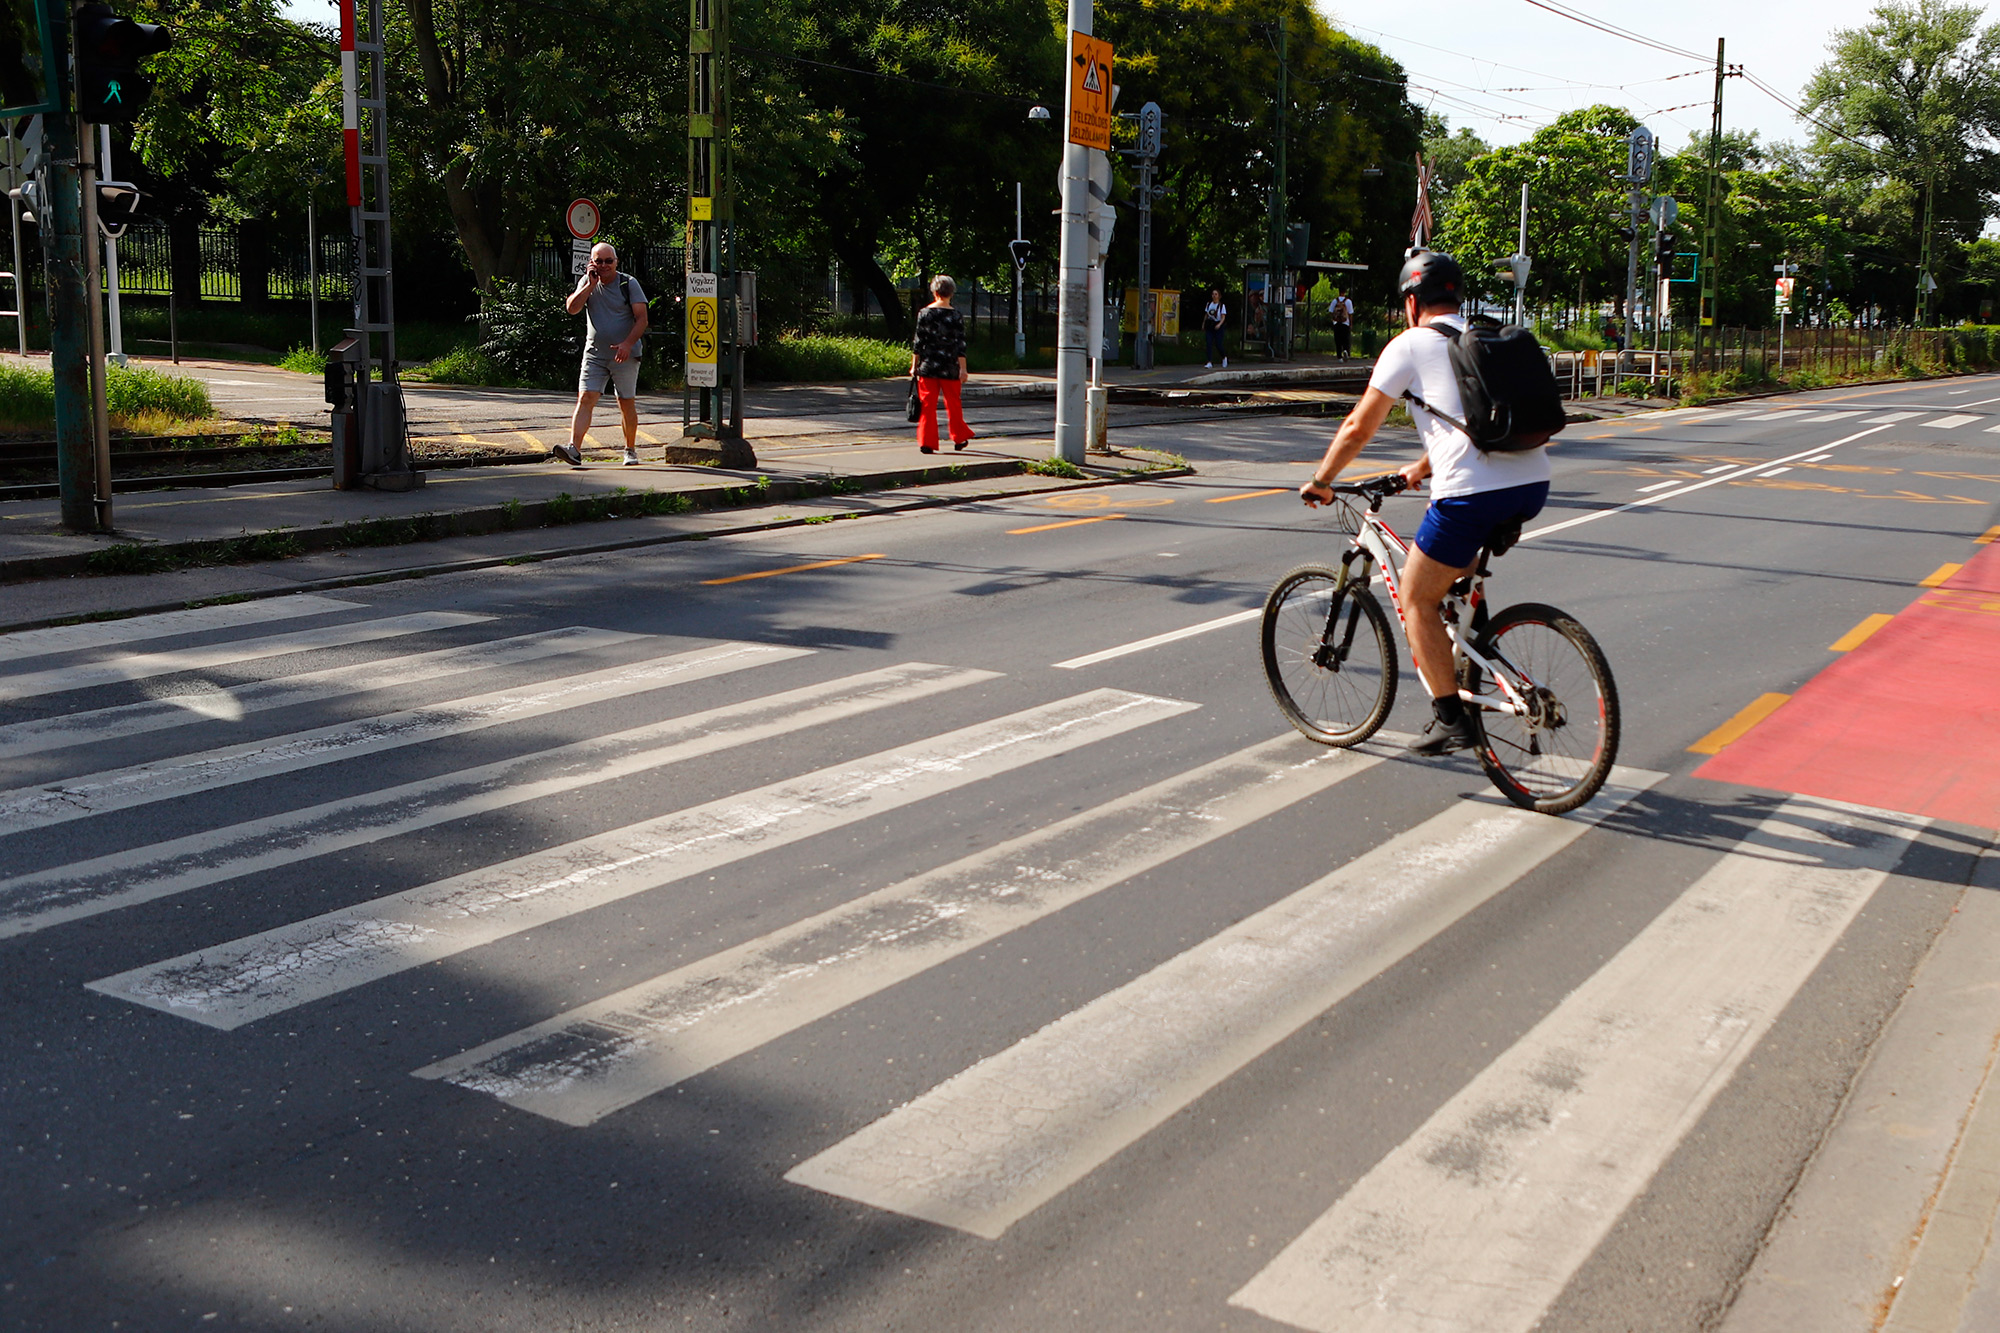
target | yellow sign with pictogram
[
  {"x": 1089, "y": 92},
  {"x": 703, "y": 330}
]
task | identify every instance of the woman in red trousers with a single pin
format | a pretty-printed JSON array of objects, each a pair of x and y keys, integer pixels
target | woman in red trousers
[{"x": 938, "y": 362}]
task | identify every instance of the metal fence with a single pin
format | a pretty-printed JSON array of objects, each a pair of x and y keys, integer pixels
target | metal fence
[{"x": 145, "y": 266}]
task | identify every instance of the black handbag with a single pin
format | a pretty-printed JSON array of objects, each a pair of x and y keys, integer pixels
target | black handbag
[{"x": 914, "y": 409}]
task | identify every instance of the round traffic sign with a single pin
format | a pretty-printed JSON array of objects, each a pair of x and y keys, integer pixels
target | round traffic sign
[{"x": 583, "y": 219}]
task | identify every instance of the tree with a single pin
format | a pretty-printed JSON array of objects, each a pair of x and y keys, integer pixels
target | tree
[{"x": 1575, "y": 206}]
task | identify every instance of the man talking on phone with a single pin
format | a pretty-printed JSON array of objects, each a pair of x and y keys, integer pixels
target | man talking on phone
[{"x": 616, "y": 306}]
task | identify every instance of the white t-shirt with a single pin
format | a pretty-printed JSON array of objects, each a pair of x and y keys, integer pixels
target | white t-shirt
[{"x": 1420, "y": 361}]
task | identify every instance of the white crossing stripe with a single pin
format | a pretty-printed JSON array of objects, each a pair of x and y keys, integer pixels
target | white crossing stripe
[
  {"x": 1720, "y": 467},
  {"x": 239, "y": 982},
  {"x": 103, "y": 633},
  {"x": 1776, "y": 471},
  {"x": 1704, "y": 415},
  {"x": 1782, "y": 414},
  {"x": 1660, "y": 485},
  {"x": 235, "y": 702},
  {"x": 65, "y": 893},
  {"x": 163, "y": 779},
  {"x": 1092, "y": 659},
  {"x": 144, "y": 666},
  {"x": 1946, "y": 423},
  {"x": 1993, "y": 430},
  {"x": 985, "y": 1148},
  {"x": 1819, "y": 458},
  {"x": 1481, "y": 1218},
  {"x": 582, "y": 1065},
  {"x": 1833, "y": 416},
  {"x": 1890, "y": 416}
]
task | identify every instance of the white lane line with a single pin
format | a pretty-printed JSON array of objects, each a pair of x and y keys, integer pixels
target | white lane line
[
  {"x": 1993, "y": 430},
  {"x": 1774, "y": 471},
  {"x": 1724, "y": 467},
  {"x": 1092, "y": 659},
  {"x": 1480, "y": 1218},
  {"x": 582, "y": 1065},
  {"x": 1888, "y": 417},
  {"x": 238, "y": 982},
  {"x": 163, "y": 779},
  {"x": 1691, "y": 487},
  {"x": 144, "y": 666},
  {"x": 101, "y": 634},
  {"x": 235, "y": 702},
  {"x": 1833, "y": 416},
  {"x": 1819, "y": 458},
  {"x": 1659, "y": 486},
  {"x": 990, "y": 1145},
  {"x": 1946, "y": 423},
  {"x": 85, "y": 888}
]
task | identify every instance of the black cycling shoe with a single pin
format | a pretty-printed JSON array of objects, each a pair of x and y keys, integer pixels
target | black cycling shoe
[{"x": 1445, "y": 737}]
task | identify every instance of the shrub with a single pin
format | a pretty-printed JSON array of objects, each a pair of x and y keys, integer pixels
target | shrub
[
  {"x": 28, "y": 397},
  {"x": 525, "y": 331},
  {"x": 830, "y": 357},
  {"x": 1056, "y": 467},
  {"x": 304, "y": 360},
  {"x": 467, "y": 364}
]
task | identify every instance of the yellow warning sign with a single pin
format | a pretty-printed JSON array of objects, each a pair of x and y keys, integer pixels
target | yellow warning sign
[
  {"x": 702, "y": 330},
  {"x": 1089, "y": 92}
]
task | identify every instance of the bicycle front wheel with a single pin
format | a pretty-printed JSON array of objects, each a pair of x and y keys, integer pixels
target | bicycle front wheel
[
  {"x": 1558, "y": 756},
  {"x": 1328, "y": 655}
]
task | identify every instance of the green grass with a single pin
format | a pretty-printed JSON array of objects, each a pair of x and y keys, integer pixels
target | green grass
[
  {"x": 1056, "y": 467},
  {"x": 465, "y": 364},
  {"x": 304, "y": 360},
  {"x": 830, "y": 357},
  {"x": 133, "y": 393}
]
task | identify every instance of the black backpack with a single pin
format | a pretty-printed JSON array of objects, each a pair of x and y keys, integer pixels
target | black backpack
[{"x": 1510, "y": 395}]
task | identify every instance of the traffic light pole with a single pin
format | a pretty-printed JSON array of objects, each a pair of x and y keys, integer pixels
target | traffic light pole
[
  {"x": 61, "y": 219},
  {"x": 1073, "y": 292},
  {"x": 1277, "y": 337},
  {"x": 93, "y": 287},
  {"x": 1711, "y": 223}
]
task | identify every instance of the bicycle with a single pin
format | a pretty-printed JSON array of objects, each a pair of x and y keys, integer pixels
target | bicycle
[{"x": 1535, "y": 683}]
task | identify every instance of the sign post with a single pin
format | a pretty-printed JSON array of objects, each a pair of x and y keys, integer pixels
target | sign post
[
  {"x": 584, "y": 221},
  {"x": 1089, "y": 116},
  {"x": 712, "y": 403}
]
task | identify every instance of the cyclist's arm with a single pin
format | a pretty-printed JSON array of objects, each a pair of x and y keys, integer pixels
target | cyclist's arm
[{"x": 1360, "y": 426}]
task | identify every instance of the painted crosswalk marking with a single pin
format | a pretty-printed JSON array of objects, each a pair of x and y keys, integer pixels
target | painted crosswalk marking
[
  {"x": 1480, "y": 1219},
  {"x": 166, "y": 624},
  {"x": 987, "y": 1147},
  {"x": 100, "y": 884},
  {"x": 1946, "y": 423},
  {"x": 1833, "y": 416},
  {"x": 236, "y": 983},
  {"x": 1888, "y": 417},
  {"x": 582, "y": 1065},
  {"x": 144, "y": 666},
  {"x": 233, "y": 703},
  {"x": 163, "y": 779}
]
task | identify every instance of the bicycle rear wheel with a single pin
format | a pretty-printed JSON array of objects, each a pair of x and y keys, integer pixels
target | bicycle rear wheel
[
  {"x": 1557, "y": 757},
  {"x": 1328, "y": 655}
]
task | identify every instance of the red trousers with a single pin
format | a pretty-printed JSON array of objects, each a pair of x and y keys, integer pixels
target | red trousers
[{"x": 928, "y": 390}]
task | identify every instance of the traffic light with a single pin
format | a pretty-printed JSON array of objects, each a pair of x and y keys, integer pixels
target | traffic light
[
  {"x": 1663, "y": 252},
  {"x": 1019, "y": 249},
  {"x": 1298, "y": 244},
  {"x": 1626, "y": 233},
  {"x": 1149, "y": 130},
  {"x": 110, "y": 90},
  {"x": 117, "y": 205}
]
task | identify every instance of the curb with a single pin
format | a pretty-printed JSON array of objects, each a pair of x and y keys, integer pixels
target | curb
[{"x": 474, "y": 563}]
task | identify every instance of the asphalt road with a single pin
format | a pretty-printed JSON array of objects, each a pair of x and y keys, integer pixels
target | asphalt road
[{"x": 788, "y": 933}]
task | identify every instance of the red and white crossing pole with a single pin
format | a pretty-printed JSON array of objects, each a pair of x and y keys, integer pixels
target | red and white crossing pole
[{"x": 350, "y": 106}]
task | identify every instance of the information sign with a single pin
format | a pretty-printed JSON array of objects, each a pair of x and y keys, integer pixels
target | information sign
[
  {"x": 703, "y": 330},
  {"x": 1785, "y": 294},
  {"x": 1089, "y": 92}
]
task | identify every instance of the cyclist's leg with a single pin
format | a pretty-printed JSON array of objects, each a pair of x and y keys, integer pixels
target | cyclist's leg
[{"x": 1425, "y": 582}]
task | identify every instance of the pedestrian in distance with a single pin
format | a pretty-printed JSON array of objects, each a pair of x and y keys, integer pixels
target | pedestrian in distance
[
  {"x": 1342, "y": 311},
  {"x": 937, "y": 359},
  {"x": 1614, "y": 337},
  {"x": 615, "y": 305},
  {"x": 1215, "y": 318}
]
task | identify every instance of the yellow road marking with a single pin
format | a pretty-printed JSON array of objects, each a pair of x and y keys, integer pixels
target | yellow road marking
[
  {"x": 1736, "y": 727},
  {"x": 1952, "y": 599},
  {"x": 1857, "y": 636},
  {"x": 793, "y": 569},
  {"x": 649, "y": 437},
  {"x": 467, "y": 439},
  {"x": 1066, "y": 523},
  {"x": 531, "y": 439},
  {"x": 1247, "y": 495},
  {"x": 1099, "y": 500},
  {"x": 591, "y": 439},
  {"x": 1938, "y": 576},
  {"x": 1990, "y": 534}
]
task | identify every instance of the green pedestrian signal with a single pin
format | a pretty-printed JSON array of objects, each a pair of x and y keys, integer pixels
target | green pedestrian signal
[{"x": 110, "y": 90}]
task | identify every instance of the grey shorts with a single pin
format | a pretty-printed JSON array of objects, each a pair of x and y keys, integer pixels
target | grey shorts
[{"x": 598, "y": 371}]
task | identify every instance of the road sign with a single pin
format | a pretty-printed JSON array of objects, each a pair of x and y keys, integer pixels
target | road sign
[
  {"x": 583, "y": 219},
  {"x": 1666, "y": 210},
  {"x": 1784, "y": 286},
  {"x": 1089, "y": 92},
  {"x": 579, "y": 257},
  {"x": 703, "y": 330}
]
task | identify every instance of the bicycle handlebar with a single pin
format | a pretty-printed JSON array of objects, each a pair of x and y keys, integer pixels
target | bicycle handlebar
[{"x": 1376, "y": 489}]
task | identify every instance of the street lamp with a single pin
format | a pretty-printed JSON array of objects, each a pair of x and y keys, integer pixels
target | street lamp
[{"x": 1038, "y": 113}]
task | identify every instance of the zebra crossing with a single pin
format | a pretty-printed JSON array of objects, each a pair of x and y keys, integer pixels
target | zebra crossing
[{"x": 1476, "y": 1221}]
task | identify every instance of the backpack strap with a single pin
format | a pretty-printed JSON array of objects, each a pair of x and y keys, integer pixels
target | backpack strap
[{"x": 1451, "y": 421}]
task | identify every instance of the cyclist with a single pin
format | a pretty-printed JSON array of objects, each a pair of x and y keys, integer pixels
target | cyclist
[{"x": 1474, "y": 494}]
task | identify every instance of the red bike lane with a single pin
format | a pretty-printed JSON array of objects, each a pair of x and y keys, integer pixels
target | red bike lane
[{"x": 1909, "y": 720}]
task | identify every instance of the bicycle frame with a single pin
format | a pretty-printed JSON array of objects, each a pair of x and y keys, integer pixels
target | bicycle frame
[{"x": 1377, "y": 545}]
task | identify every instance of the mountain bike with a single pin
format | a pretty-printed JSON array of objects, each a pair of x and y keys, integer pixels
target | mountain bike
[{"x": 1534, "y": 682}]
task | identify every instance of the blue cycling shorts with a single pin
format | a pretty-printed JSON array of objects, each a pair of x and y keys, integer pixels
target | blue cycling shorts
[{"x": 1455, "y": 527}]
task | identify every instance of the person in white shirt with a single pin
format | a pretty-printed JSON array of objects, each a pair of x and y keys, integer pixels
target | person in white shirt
[
  {"x": 1215, "y": 318},
  {"x": 1342, "y": 311},
  {"x": 1474, "y": 495}
]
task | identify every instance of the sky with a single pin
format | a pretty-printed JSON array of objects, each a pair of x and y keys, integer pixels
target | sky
[{"x": 1505, "y": 68}]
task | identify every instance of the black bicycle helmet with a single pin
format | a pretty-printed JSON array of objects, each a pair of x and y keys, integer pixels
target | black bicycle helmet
[{"x": 1433, "y": 277}]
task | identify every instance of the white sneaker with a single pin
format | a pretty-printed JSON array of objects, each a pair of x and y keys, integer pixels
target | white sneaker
[
  {"x": 1208, "y": 365},
  {"x": 1225, "y": 363},
  {"x": 568, "y": 453},
  {"x": 631, "y": 458}
]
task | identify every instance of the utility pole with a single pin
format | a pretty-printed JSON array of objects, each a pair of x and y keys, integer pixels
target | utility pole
[
  {"x": 1148, "y": 154},
  {"x": 1926, "y": 283},
  {"x": 712, "y": 402},
  {"x": 1088, "y": 116},
  {"x": 1638, "y": 172},
  {"x": 1711, "y": 223},
  {"x": 1277, "y": 338},
  {"x": 60, "y": 215},
  {"x": 1518, "y": 265},
  {"x": 1018, "y": 248}
]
